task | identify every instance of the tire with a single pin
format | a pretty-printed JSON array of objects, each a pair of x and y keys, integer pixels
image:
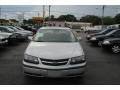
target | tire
[
  {"x": 115, "y": 48},
  {"x": 100, "y": 43}
]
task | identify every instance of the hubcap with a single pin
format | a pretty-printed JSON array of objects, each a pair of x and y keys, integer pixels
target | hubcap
[{"x": 116, "y": 49}]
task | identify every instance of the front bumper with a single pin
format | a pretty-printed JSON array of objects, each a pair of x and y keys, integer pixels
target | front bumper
[
  {"x": 88, "y": 38},
  {"x": 56, "y": 72},
  {"x": 22, "y": 38},
  {"x": 106, "y": 46},
  {"x": 3, "y": 42},
  {"x": 93, "y": 41}
]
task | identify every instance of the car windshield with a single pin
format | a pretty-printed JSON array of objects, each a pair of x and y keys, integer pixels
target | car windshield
[
  {"x": 19, "y": 28},
  {"x": 111, "y": 32},
  {"x": 54, "y": 35},
  {"x": 105, "y": 31},
  {"x": 13, "y": 29}
]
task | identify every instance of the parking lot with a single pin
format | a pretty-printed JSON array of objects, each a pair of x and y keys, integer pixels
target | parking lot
[{"x": 102, "y": 67}]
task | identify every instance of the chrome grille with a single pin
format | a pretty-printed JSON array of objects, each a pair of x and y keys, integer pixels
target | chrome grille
[{"x": 52, "y": 62}]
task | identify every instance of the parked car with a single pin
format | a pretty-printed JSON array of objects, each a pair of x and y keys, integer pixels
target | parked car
[
  {"x": 3, "y": 39},
  {"x": 100, "y": 38},
  {"x": 9, "y": 34},
  {"x": 103, "y": 32},
  {"x": 112, "y": 44},
  {"x": 23, "y": 35},
  {"x": 54, "y": 52},
  {"x": 29, "y": 33}
]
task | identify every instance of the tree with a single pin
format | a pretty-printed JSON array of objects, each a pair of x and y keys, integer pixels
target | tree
[
  {"x": 13, "y": 20},
  {"x": 67, "y": 17},
  {"x": 52, "y": 17},
  {"x": 108, "y": 20},
  {"x": 117, "y": 18},
  {"x": 95, "y": 20},
  {"x": 29, "y": 21}
]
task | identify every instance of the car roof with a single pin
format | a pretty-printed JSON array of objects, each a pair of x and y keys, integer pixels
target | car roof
[{"x": 48, "y": 27}]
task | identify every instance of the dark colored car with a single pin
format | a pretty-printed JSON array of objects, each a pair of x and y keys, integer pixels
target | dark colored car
[
  {"x": 3, "y": 38},
  {"x": 103, "y": 32},
  {"x": 98, "y": 40},
  {"x": 9, "y": 34},
  {"x": 112, "y": 44}
]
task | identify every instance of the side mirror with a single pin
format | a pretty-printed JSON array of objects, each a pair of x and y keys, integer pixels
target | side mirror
[{"x": 79, "y": 38}]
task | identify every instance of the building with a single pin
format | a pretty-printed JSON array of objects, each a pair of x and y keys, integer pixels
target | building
[
  {"x": 78, "y": 25},
  {"x": 55, "y": 23},
  {"x": 74, "y": 25}
]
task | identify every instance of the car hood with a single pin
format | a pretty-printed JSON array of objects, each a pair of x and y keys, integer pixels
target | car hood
[
  {"x": 51, "y": 50},
  {"x": 6, "y": 35},
  {"x": 21, "y": 32},
  {"x": 113, "y": 39},
  {"x": 25, "y": 31},
  {"x": 94, "y": 34},
  {"x": 100, "y": 36}
]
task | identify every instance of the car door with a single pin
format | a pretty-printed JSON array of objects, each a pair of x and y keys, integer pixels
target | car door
[{"x": 116, "y": 34}]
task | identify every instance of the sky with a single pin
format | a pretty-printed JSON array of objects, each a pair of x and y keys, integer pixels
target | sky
[{"x": 29, "y": 11}]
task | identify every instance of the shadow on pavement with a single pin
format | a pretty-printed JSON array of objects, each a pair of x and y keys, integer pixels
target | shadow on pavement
[{"x": 53, "y": 81}]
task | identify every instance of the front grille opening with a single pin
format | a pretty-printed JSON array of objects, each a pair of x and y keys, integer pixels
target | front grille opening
[{"x": 51, "y": 62}]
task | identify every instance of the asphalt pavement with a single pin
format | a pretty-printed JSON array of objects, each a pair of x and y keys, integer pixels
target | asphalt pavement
[{"x": 103, "y": 67}]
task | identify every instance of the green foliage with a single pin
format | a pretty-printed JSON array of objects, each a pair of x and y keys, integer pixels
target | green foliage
[
  {"x": 67, "y": 17},
  {"x": 117, "y": 18},
  {"x": 95, "y": 20},
  {"x": 108, "y": 20}
]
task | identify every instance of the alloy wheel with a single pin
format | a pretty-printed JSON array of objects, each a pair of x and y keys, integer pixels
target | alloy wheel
[{"x": 115, "y": 49}]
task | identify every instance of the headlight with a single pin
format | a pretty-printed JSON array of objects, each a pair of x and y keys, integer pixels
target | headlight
[
  {"x": 88, "y": 36},
  {"x": 12, "y": 36},
  {"x": 93, "y": 38},
  {"x": 1, "y": 37},
  {"x": 106, "y": 42},
  {"x": 31, "y": 59},
  {"x": 77, "y": 60},
  {"x": 23, "y": 35}
]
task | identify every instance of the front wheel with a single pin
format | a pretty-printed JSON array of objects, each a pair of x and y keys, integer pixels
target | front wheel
[
  {"x": 100, "y": 43},
  {"x": 115, "y": 49}
]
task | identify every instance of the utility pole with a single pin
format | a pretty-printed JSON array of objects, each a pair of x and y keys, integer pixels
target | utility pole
[
  {"x": 23, "y": 17},
  {"x": 38, "y": 14},
  {"x": 0, "y": 12},
  {"x": 103, "y": 8},
  {"x": 49, "y": 12},
  {"x": 43, "y": 14}
]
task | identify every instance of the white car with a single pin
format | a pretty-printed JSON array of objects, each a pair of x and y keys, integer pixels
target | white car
[{"x": 54, "y": 52}]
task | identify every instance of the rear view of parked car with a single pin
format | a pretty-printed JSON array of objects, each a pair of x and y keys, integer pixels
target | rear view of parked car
[
  {"x": 103, "y": 32},
  {"x": 9, "y": 34},
  {"x": 3, "y": 39},
  {"x": 112, "y": 44},
  {"x": 23, "y": 35},
  {"x": 100, "y": 38},
  {"x": 54, "y": 52},
  {"x": 29, "y": 33}
]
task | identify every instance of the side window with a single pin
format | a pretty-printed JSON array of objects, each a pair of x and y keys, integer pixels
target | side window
[
  {"x": 2, "y": 29},
  {"x": 117, "y": 33}
]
